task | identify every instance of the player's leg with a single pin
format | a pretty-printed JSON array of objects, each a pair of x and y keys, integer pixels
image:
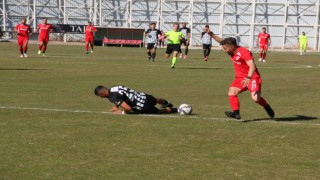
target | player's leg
[
  {"x": 260, "y": 53},
  {"x": 256, "y": 97},
  {"x": 265, "y": 50},
  {"x": 91, "y": 42},
  {"x": 304, "y": 48},
  {"x": 174, "y": 58},
  {"x": 149, "y": 47},
  {"x": 209, "y": 50},
  {"x": 234, "y": 101},
  {"x": 186, "y": 50},
  {"x": 254, "y": 87},
  {"x": 169, "y": 50},
  {"x": 87, "y": 47},
  {"x": 301, "y": 49},
  {"x": 20, "y": 44},
  {"x": 205, "y": 49},
  {"x": 153, "y": 52},
  {"x": 40, "y": 45},
  {"x": 25, "y": 47},
  {"x": 180, "y": 51}
]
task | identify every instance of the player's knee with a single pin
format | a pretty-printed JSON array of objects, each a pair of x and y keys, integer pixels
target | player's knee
[{"x": 255, "y": 98}]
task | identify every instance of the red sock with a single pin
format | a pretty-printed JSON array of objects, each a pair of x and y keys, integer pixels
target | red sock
[
  {"x": 40, "y": 47},
  {"x": 21, "y": 49},
  {"x": 261, "y": 55},
  {"x": 44, "y": 49},
  {"x": 234, "y": 103},
  {"x": 264, "y": 55},
  {"x": 25, "y": 49},
  {"x": 87, "y": 47},
  {"x": 262, "y": 102}
]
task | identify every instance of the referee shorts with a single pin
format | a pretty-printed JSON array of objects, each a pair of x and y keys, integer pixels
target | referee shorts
[{"x": 173, "y": 47}]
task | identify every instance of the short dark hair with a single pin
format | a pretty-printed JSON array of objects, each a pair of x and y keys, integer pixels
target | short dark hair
[
  {"x": 264, "y": 28},
  {"x": 229, "y": 41},
  {"x": 97, "y": 89},
  {"x": 207, "y": 26},
  {"x": 153, "y": 23}
]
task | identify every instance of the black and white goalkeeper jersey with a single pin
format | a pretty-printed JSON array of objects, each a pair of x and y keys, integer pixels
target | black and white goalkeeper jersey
[
  {"x": 136, "y": 100},
  {"x": 153, "y": 35}
]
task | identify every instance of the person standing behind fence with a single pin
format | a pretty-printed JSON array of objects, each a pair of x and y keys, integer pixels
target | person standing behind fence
[
  {"x": 44, "y": 30},
  {"x": 23, "y": 32},
  {"x": 206, "y": 42},
  {"x": 152, "y": 34},
  {"x": 174, "y": 38},
  {"x": 303, "y": 43},
  {"x": 89, "y": 39}
]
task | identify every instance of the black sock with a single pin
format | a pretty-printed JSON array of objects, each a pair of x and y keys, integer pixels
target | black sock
[
  {"x": 149, "y": 53},
  {"x": 236, "y": 111},
  {"x": 174, "y": 110},
  {"x": 208, "y": 52},
  {"x": 204, "y": 52},
  {"x": 153, "y": 56},
  {"x": 186, "y": 51}
]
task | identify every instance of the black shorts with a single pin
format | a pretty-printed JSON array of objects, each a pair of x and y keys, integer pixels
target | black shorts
[
  {"x": 150, "y": 106},
  {"x": 184, "y": 42},
  {"x": 151, "y": 45},
  {"x": 173, "y": 47},
  {"x": 206, "y": 46}
]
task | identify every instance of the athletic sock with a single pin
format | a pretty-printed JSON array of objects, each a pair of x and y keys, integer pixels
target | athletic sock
[
  {"x": 234, "y": 102},
  {"x": 149, "y": 53},
  {"x": 21, "y": 50},
  {"x": 204, "y": 53},
  {"x": 186, "y": 51},
  {"x": 40, "y": 47},
  {"x": 44, "y": 49},
  {"x": 208, "y": 52},
  {"x": 174, "y": 60},
  {"x": 153, "y": 56},
  {"x": 260, "y": 55},
  {"x": 264, "y": 55},
  {"x": 25, "y": 49},
  {"x": 262, "y": 102},
  {"x": 87, "y": 47}
]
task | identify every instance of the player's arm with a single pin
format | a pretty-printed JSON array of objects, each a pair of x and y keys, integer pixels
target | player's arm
[
  {"x": 94, "y": 29},
  {"x": 126, "y": 109},
  {"x": 37, "y": 30},
  {"x": 216, "y": 38},
  {"x": 252, "y": 69},
  {"x": 257, "y": 41},
  {"x": 30, "y": 31}
]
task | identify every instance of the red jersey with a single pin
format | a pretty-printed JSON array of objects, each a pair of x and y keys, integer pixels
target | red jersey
[
  {"x": 89, "y": 30},
  {"x": 44, "y": 30},
  {"x": 239, "y": 61},
  {"x": 23, "y": 30},
  {"x": 264, "y": 38}
]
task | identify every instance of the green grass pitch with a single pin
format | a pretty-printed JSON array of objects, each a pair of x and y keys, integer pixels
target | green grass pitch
[{"x": 51, "y": 125}]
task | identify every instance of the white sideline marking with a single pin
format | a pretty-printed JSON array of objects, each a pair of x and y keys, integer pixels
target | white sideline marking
[{"x": 157, "y": 116}]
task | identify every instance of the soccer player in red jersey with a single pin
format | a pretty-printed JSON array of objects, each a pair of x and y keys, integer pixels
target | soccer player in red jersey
[
  {"x": 263, "y": 42},
  {"x": 23, "y": 32},
  {"x": 44, "y": 30},
  {"x": 90, "y": 29},
  {"x": 247, "y": 77}
]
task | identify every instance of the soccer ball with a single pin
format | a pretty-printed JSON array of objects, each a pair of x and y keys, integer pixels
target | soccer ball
[{"x": 185, "y": 109}]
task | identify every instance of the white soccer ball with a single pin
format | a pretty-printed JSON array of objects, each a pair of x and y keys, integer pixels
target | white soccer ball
[{"x": 185, "y": 109}]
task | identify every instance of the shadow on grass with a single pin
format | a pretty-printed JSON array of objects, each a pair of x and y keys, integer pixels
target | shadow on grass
[
  {"x": 293, "y": 118},
  {"x": 21, "y": 69}
]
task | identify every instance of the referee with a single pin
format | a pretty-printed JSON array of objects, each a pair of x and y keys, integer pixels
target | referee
[{"x": 174, "y": 37}]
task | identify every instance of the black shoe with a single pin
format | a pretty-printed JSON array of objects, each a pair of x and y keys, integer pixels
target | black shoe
[
  {"x": 166, "y": 105},
  {"x": 172, "y": 67},
  {"x": 269, "y": 110},
  {"x": 87, "y": 52},
  {"x": 149, "y": 58},
  {"x": 234, "y": 115}
]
